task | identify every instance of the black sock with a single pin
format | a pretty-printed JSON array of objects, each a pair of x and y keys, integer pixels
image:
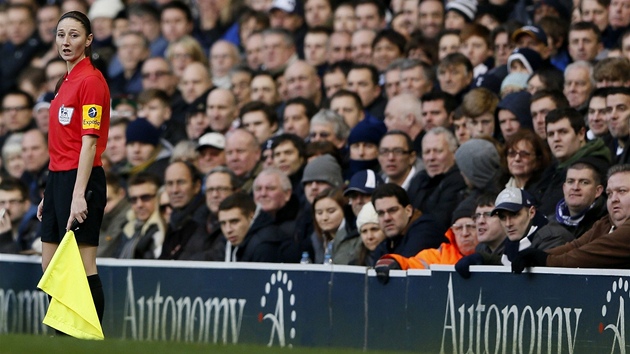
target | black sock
[{"x": 96, "y": 287}]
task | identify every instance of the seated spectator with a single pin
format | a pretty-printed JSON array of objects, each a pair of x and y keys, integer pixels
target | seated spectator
[
  {"x": 211, "y": 154},
  {"x": 490, "y": 233},
  {"x": 543, "y": 102},
  {"x": 114, "y": 218},
  {"x": 408, "y": 231},
  {"x": 19, "y": 227},
  {"x": 273, "y": 195},
  {"x": 296, "y": 118},
  {"x": 289, "y": 155},
  {"x": 478, "y": 106},
  {"x": 116, "y": 150},
  {"x": 476, "y": 46},
  {"x": 462, "y": 240},
  {"x": 398, "y": 159},
  {"x": 12, "y": 161},
  {"x": 360, "y": 189},
  {"x": 566, "y": 136},
  {"x": 154, "y": 105},
  {"x": 617, "y": 98},
  {"x": 455, "y": 73},
  {"x": 437, "y": 110},
  {"x": 526, "y": 157},
  {"x": 404, "y": 113},
  {"x": 259, "y": 119},
  {"x": 371, "y": 235},
  {"x": 460, "y": 126},
  {"x": 249, "y": 238},
  {"x": 436, "y": 189},
  {"x": 524, "y": 60},
  {"x": 479, "y": 163},
  {"x": 348, "y": 105},
  {"x": 597, "y": 118},
  {"x": 363, "y": 142},
  {"x": 604, "y": 245},
  {"x": 187, "y": 221},
  {"x": 611, "y": 72},
  {"x": 578, "y": 84},
  {"x": 144, "y": 151},
  {"x": 335, "y": 241},
  {"x": 328, "y": 125},
  {"x": 143, "y": 234},
  {"x": 240, "y": 84},
  {"x": 545, "y": 79},
  {"x": 242, "y": 154},
  {"x": 513, "y": 113}
]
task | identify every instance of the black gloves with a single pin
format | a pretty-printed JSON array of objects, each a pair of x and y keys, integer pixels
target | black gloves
[
  {"x": 463, "y": 265},
  {"x": 530, "y": 257},
  {"x": 382, "y": 268}
]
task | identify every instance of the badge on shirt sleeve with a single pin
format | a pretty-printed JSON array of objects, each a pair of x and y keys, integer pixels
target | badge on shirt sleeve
[
  {"x": 65, "y": 115},
  {"x": 92, "y": 116}
]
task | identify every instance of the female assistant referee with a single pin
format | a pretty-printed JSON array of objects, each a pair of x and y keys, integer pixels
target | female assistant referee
[{"x": 79, "y": 124}]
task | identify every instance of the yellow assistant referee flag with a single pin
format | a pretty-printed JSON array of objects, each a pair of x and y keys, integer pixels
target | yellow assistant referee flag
[{"x": 71, "y": 310}]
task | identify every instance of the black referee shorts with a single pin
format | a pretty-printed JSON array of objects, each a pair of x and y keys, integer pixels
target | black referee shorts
[{"x": 57, "y": 200}]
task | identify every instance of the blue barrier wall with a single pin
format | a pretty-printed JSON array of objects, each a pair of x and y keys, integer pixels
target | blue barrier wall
[{"x": 550, "y": 310}]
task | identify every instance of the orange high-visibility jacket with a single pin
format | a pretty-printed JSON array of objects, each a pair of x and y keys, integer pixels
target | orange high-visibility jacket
[{"x": 447, "y": 253}]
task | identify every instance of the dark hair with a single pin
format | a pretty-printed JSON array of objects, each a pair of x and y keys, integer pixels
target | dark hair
[
  {"x": 17, "y": 92},
  {"x": 486, "y": 199},
  {"x": 587, "y": 26},
  {"x": 144, "y": 177},
  {"x": 142, "y": 10},
  {"x": 177, "y": 5},
  {"x": 380, "y": 7},
  {"x": 574, "y": 117},
  {"x": 371, "y": 68},
  {"x": 298, "y": 142},
  {"x": 85, "y": 22},
  {"x": 556, "y": 96},
  {"x": 454, "y": 59},
  {"x": 342, "y": 65},
  {"x": 391, "y": 190},
  {"x": 148, "y": 95},
  {"x": 234, "y": 181},
  {"x": 405, "y": 136},
  {"x": 347, "y": 93},
  {"x": 619, "y": 90},
  {"x": 195, "y": 175},
  {"x": 113, "y": 180},
  {"x": 553, "y": 79},
  {"x": 391, "y": 36},
  {"x": 10, "y": 184},
  {"x": 309, "y": 107},
  {"x": 257, "y": 106},
  {"x": 240, "y": 200},
  {"x": 476, "y": 30},
  {"x": 586, "y": 164},
  {"x": 450, "y": 102}
]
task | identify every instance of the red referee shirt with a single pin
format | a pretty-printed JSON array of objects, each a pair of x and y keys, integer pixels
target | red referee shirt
[{"x": 80, "y": 107}]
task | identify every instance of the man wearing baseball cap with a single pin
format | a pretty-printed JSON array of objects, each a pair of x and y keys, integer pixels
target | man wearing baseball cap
[
  {"x": 532, "y": 37},
  {"x": 360, "y": 189},
  {"x": 210, "y": 149}
]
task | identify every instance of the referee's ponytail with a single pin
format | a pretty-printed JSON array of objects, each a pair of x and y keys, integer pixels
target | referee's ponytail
[{"x": 85, "y": 21}]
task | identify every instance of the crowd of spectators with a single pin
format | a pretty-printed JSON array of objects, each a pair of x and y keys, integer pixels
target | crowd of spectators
[{"x": 394, "y": 134}]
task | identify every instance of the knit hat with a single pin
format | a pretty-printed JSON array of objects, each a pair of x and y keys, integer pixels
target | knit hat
[
  {"x": 530, "y": 58},
  {"x": 464, "y": 210},
  {"x": 105, "y": 9},
  {"x": 518, "y": 104},
  {"x": 512, "y": 199},
  {"x": 491, "y": 81},
  {"x": 563, "y": 11},
  {"x": 517, "y": 79},
  {"x": 323, "y": 169},
  {"x": 478, "y": 160},
  {"x": 367, "y": 215},
  {"x": 369, "y": 131},
  {"x": 141, "y": 131},
  {"x": 467, "y": 8},
  {"x": 364, "y": 182}
]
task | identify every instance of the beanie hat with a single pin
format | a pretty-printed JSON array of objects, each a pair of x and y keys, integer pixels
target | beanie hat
[
  {"x": 141, "y": 131},
  {"x": 530, "y": 58},
  {"x": 464, "y": 210},
  {"x": 518, "y": 104},
  {"x": 369, "y": 131},
  {"x": 516, "y": 79},
  {"x": 490, "y": 81},
  {"x": 323, "y": 169},
  {"x": 478, "y": 160},
  {"x": 467, "y": 8},
  {"x": 367, "y": 215}
]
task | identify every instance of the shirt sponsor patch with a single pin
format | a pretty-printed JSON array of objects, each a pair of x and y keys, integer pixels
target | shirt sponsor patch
[
  {"x": 65, "y": 115},
  {"x": 92, "y": 116}
]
